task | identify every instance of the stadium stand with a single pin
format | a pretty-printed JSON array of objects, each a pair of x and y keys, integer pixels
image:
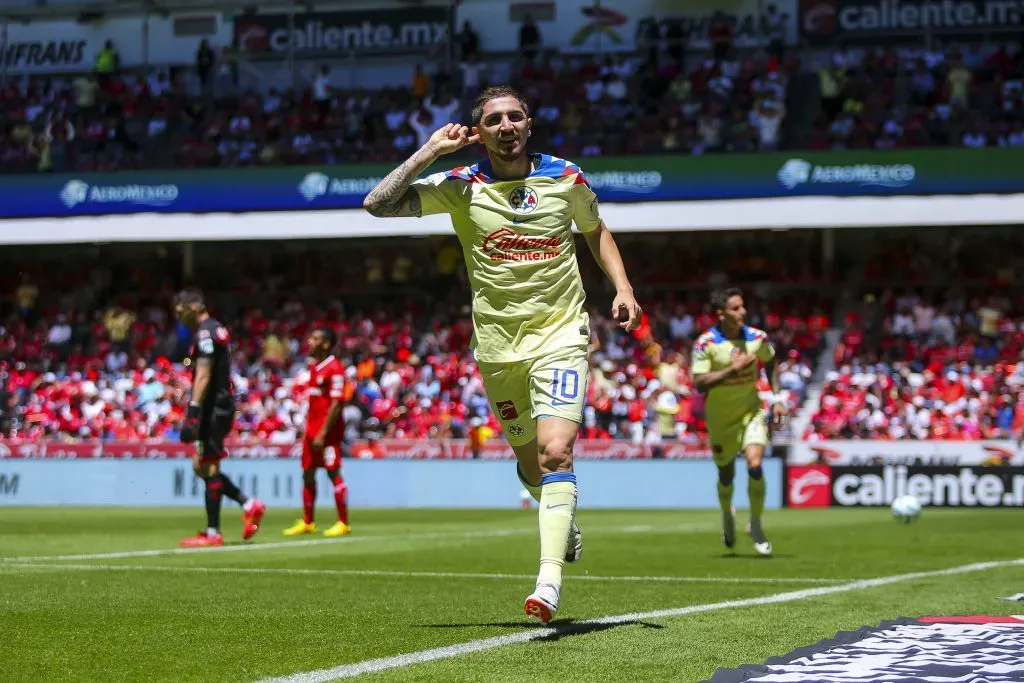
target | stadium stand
[
  {"x": 955, "y": 96},
  {"x": 139, "y": 119},
  {"x": 91, "y": 351},
  {"x": 889, "y": 98},
  {"x": 941, "y": 359}
]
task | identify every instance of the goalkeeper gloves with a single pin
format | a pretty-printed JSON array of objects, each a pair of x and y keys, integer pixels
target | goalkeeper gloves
[{"x": 190, "y": 427}]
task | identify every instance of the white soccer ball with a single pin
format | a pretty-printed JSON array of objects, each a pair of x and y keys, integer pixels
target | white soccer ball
[{"x": 906, "y": 508}]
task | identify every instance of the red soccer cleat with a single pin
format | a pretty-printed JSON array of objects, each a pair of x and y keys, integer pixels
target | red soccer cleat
[
  {"x": 202, "y": 540},
  {"x": 251, "y": 519}
]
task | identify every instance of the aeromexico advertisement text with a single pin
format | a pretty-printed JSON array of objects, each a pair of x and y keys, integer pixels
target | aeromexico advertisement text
[
  {"x": 614, "y": 179},
  {"x": 967, "y": 486}
]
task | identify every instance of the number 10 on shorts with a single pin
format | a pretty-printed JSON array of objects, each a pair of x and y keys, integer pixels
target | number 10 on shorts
[{"x": 565, "y": 387}]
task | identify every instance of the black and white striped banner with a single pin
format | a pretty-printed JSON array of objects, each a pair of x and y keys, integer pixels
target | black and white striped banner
[{"x": 926, "y": 650}]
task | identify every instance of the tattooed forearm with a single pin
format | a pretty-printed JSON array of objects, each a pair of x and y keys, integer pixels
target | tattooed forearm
[
  {"x": 388, "y": 197},
  {"x": 393, "y": 196}
]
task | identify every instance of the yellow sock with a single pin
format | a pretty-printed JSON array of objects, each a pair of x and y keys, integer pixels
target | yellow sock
[
  {"x": 725, "y": 498},
  {"x": 557, "y": 505},
  {"x": 534, "y": 489},
  {"x": 756, "y": 489}
]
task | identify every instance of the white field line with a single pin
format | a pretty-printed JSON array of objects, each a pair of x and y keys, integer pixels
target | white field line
[
  {"x": 412, "y": 658},
  {"x": 401, "y": 574},
  {"x": 483, "y": 533},
  {"x": 276, "y": 545}
]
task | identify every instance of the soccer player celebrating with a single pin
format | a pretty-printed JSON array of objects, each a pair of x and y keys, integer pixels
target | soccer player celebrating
[
  {"x": 513, "y": 214},
  {"x": 724, "y": 366},
  {"x": 210, "y": 416},
  {"x": 325, "y": 431}
]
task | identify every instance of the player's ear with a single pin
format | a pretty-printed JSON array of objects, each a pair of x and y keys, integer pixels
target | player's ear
[{"x": 475, "y": 130}]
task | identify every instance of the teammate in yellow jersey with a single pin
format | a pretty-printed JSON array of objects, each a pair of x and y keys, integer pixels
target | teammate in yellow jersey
[
  {"x": 725, "y": 367},
  {"x": 513, "y": 214}
]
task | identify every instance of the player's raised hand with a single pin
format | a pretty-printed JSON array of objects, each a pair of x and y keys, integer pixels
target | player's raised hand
[
  {"x": 626, "y": 311},
  {"x": 450, "y": 138},
  {"x": 780, "y": 411}
]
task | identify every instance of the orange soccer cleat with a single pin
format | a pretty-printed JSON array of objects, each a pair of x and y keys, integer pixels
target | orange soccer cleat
[
  {"x": 251, "y": 518},
  {"x": 203, "y": 539},
  {"x": 543, "y": 602}
]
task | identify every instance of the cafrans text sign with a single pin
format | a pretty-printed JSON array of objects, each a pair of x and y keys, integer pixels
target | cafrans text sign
[{"x": 69, "y": 47}]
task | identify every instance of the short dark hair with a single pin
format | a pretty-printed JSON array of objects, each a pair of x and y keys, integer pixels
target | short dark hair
[
  {"x": 720, "y": 297},
  {"x": 189, "y": 297},
  {"x": 493, "y": 93},
  {"x": 328, "y": 334}
]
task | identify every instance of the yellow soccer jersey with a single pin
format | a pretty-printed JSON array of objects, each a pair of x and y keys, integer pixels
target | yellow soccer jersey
[
  {"x": 517, "y": 240},
  {"x": 736, "y": 396}
]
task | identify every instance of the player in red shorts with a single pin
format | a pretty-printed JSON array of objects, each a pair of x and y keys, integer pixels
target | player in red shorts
[{"x": 325, "y": 432}]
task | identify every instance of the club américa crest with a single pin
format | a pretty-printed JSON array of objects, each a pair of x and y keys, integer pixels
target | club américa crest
[{"x": 523, "y": 199}]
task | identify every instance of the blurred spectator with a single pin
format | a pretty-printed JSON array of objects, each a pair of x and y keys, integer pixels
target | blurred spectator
[
  {"x": 768, "y": 118},
  {"x": 468, "y": 42},
  {"x": 206, "y": 59},
  {"x": 118, "y": 322},
  {"x": 421, "y": 120},
  {"x": 773, "y": 26},
  {"x": 720, "y": 34},
  {"x": 26, "y": 295},
  {"x": 108, "y": 63},
  {"x": 443, "y": 109},
  {"x": 473, "y": 76},
  {"x": 420, "y": 83},
  {"x": 529, "y": 39}
]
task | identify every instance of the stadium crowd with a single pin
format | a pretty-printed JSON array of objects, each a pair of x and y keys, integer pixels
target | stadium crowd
[
  {"x": 942, "y": 359},
  {"x": 101, "y": 358},
  {"x": 948, "y": 370},
  {"x": 870, "y": 98},
  {"x": 92, "y": 350},
  {"x": 154, "y": 119},
  {"x": 969, "y": 96}
]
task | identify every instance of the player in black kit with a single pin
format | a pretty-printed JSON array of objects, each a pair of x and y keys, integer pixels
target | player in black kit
[{"x": 210, "y": 416}]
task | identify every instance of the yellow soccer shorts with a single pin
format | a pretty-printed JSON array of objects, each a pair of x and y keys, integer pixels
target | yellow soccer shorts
[
  {"x": 554, "y": 384},
  {"x": 733, "y": 437}
]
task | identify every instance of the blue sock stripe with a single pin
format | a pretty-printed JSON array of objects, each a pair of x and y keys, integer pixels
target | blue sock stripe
[
  {"x": 755, "y": 472},
  {"x": 553, "y": 477}
]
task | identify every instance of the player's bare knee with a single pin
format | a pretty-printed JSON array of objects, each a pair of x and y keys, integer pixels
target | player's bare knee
[
  {"x": 556, "y": 455},
  {"x": 754, "y": 458},
  {"x": 308, "y": 477}
]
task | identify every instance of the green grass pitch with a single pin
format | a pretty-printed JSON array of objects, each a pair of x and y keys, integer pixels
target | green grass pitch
[{"x": 413, "y": 580}]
